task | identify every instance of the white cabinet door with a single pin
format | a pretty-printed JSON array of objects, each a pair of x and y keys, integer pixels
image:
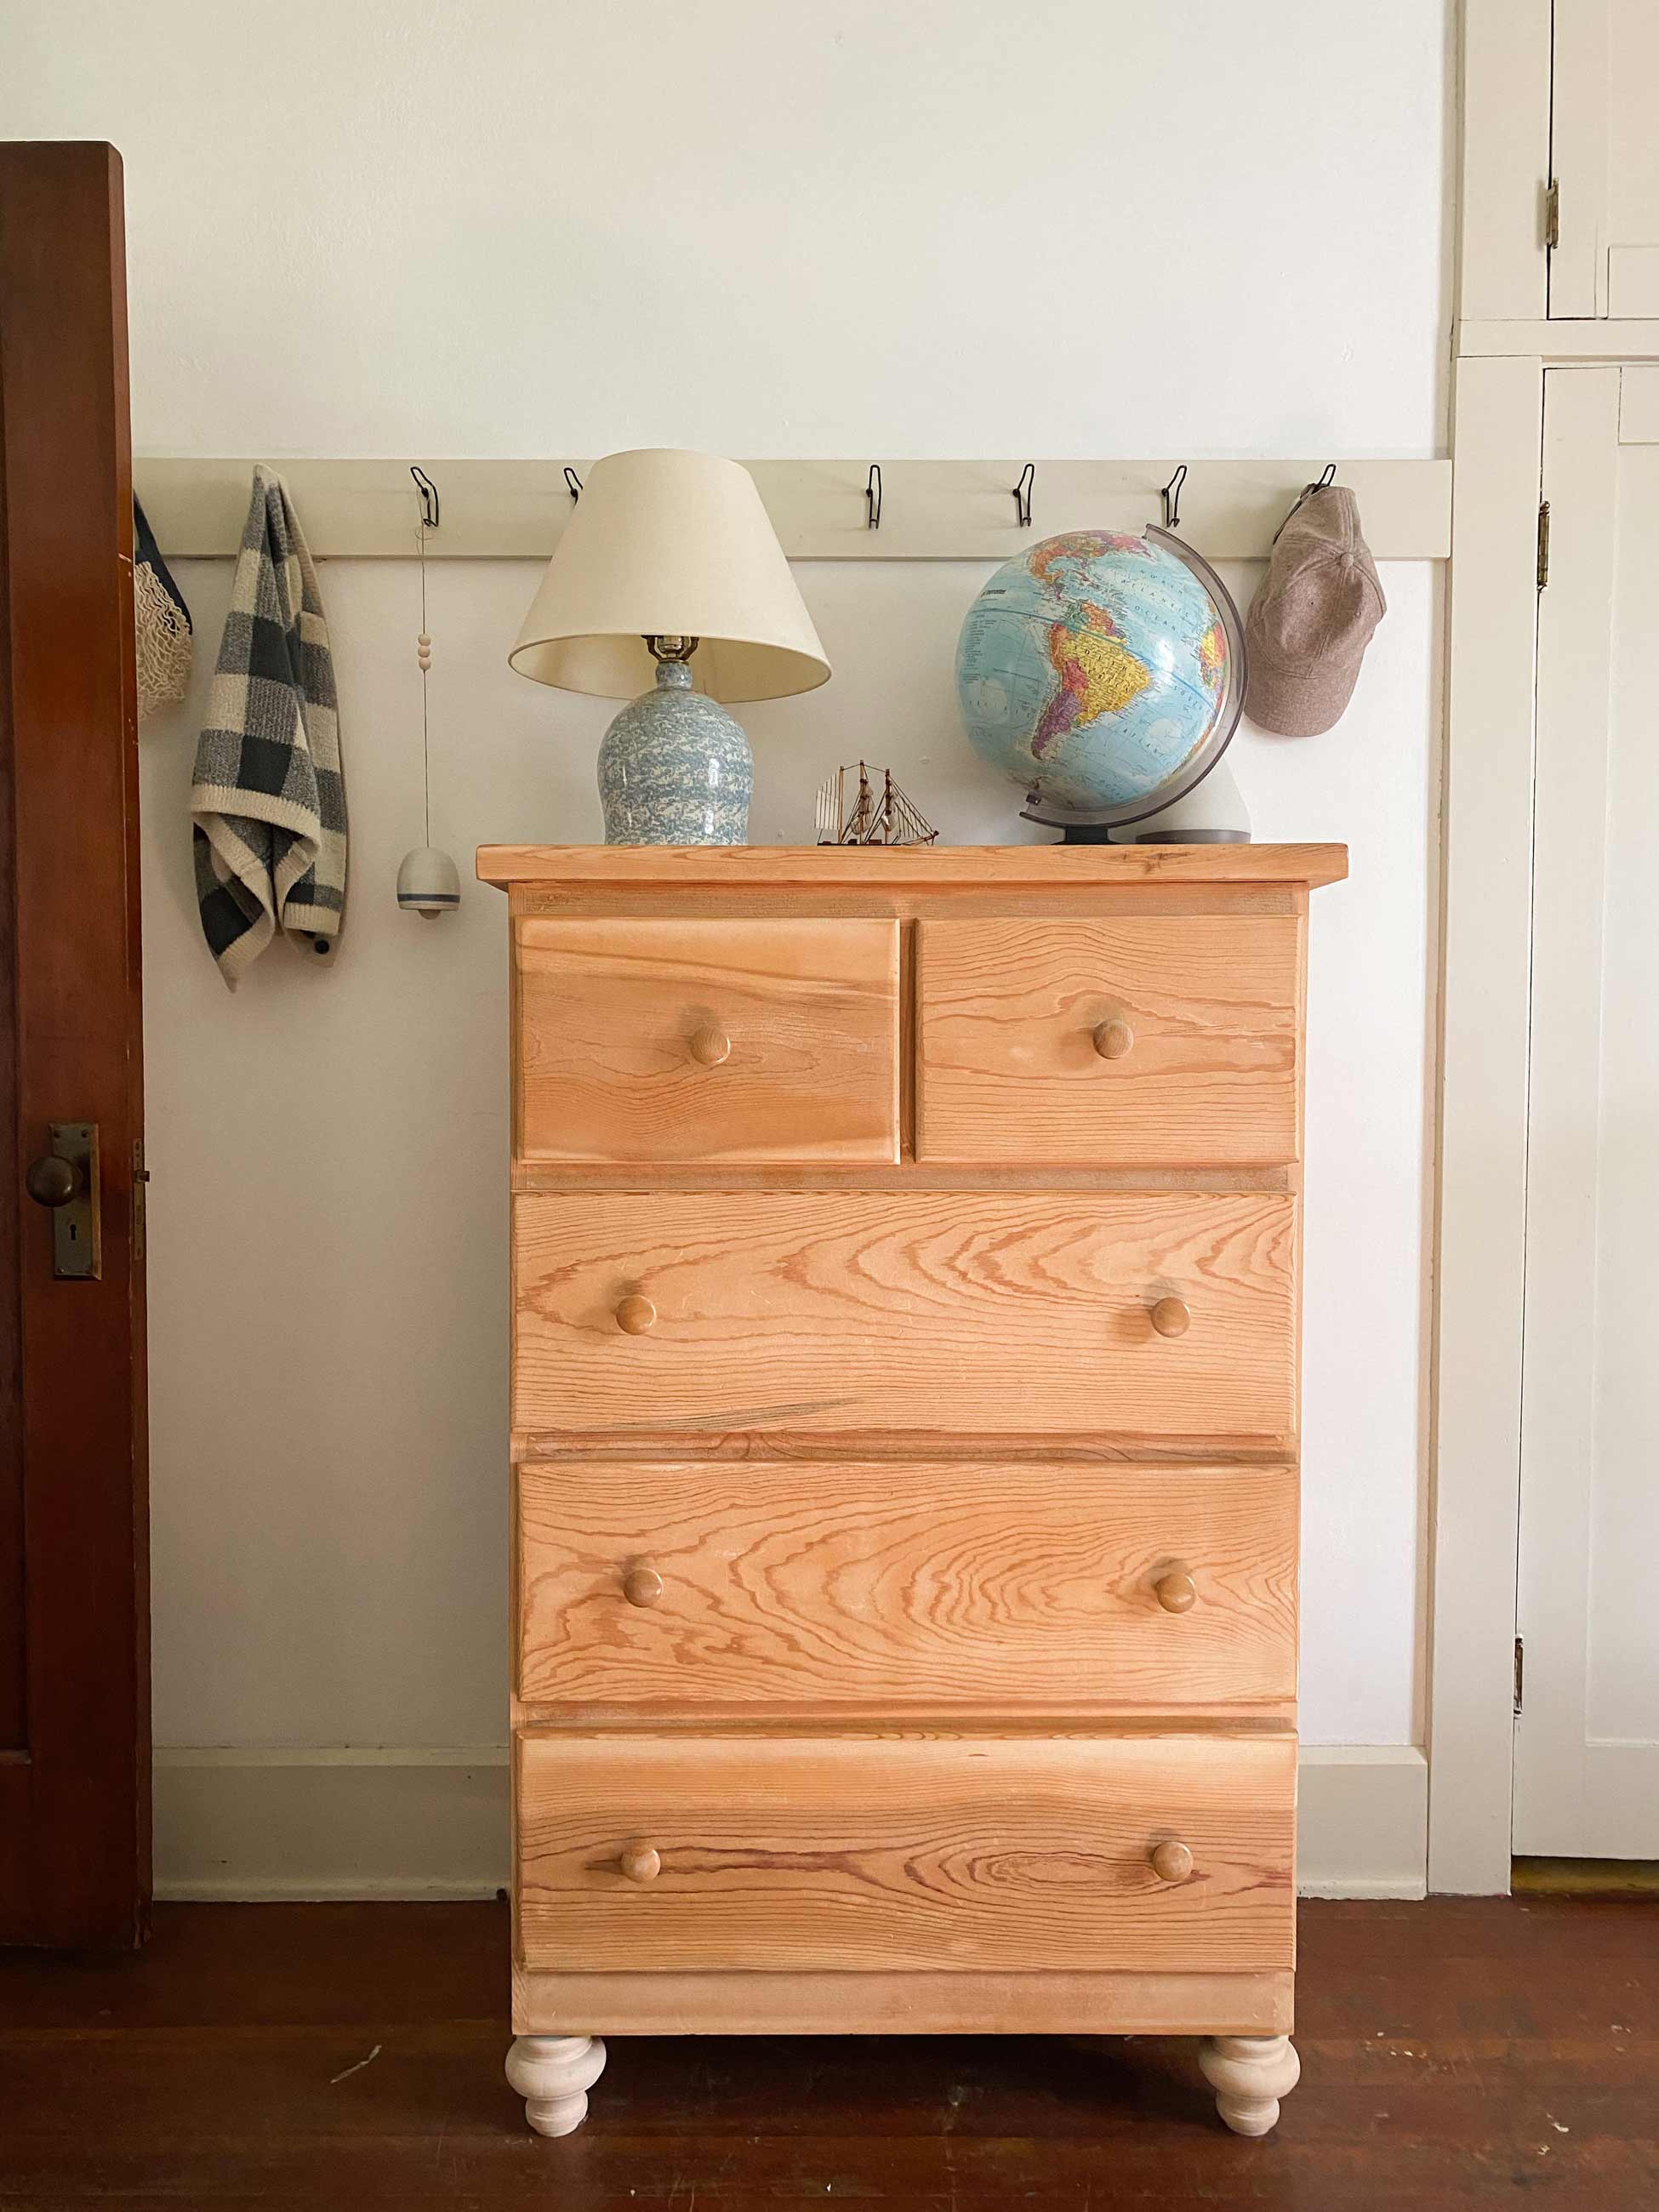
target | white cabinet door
[
  {"x": 1604, "y": 157},
  {"x": 1587, "y": 1738}
]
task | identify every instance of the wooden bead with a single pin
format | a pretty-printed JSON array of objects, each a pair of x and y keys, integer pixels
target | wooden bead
[
  {"x": 1171, "y": 1318},
  {"x": 642, "y": 1586},
  {"x": 711, "y": 1047},
  {"x": 1171, "y": 1862},
  {"x": 1176, "y": 1591},
  {"x": 635, "y": 1316},
  {"x": 641, "y": 1864},
  {"x": 1113, "y": 1039}
]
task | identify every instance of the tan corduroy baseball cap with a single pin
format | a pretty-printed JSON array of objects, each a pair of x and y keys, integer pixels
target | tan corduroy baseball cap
[{"x": 1310, "y": 621}]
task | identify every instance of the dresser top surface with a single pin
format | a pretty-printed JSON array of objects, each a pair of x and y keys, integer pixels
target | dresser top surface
[{"x": 826, "y": 867}]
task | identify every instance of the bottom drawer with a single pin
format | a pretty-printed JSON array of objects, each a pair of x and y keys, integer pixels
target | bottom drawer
[{"x": 841, "y": 1852}]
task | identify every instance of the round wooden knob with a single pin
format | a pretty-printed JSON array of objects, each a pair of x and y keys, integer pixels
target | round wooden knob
[
  {"x": 1113, "y": 1039},
  {"x": 642, "y": 1586},
  {"x": 1171, "y": 1862},
  {"x": 1176, "y": 1591},
  {"x": 711, "y": 1047},
  {"x": 1171, "y": 1318},
  {"x": 635, "y": 1316},
  {"x": 641, "y": 1864}
]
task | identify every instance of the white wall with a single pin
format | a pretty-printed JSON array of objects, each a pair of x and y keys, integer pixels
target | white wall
[{"x": 1085, "y": 227}]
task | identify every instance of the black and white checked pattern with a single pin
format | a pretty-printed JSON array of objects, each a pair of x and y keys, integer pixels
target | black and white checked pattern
[{"x": 268, "y": 799}]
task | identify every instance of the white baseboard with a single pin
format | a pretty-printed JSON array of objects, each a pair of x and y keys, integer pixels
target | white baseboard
[
  {"x": 322, "y": 1822},
  {"x": 325, "y": 1822},
  {"x": 1362, "y": 1820}
]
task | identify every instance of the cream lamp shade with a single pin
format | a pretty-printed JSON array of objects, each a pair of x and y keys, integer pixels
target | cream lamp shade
[{"x": 665, "y": 544}]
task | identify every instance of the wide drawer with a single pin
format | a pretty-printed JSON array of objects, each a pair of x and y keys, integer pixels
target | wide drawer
[
  {"x": 1131, "y": 1313},
  {"x": 685, "y": 1041},
  {"x": 1130, "y": 1042},
  {"x": 811, "y": 1853},
  {"x": 860, "y": 1588}
]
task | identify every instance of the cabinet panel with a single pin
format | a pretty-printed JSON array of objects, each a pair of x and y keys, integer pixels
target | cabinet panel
[
  {"x": 1129, "y": 1042},
  {"x": 1604, "y": 154},
  {"x": 969, "y": 1585},
  {"x": 680, "y": 1041},
  {"x": 952, "y": 1314},
  {"x": 837, "y": 1852}
]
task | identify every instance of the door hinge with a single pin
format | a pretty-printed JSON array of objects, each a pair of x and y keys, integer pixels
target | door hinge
[
  {"x": 140, "y": 1177},
  {"x": 1543, "y": 542},
  {"x": 1520, "y": 1671},
  {"x": 1551, "y": 215}
]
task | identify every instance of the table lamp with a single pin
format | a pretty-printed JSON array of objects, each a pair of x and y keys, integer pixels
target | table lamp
[{"x": 670, "y": 558}]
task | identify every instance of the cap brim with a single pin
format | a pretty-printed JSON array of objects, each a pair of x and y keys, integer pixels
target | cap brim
[{"x": 1296, "y": 704}]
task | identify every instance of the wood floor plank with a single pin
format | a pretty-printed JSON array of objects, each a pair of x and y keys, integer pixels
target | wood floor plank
[{"x": 1456, "y": 2055}]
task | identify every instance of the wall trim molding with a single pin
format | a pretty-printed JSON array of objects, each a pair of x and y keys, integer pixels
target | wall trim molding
[{"x": 327, "y": 1821}]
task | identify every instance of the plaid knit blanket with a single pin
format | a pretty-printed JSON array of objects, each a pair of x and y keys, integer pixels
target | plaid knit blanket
[{"x": 268, "y": 799}]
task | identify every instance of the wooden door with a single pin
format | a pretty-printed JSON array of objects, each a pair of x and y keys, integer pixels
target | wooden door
[
  {"x": 73, "y": 1618},
  {"x": 1604, "y": 158},
  {"x": 1586, "y": 1734}
]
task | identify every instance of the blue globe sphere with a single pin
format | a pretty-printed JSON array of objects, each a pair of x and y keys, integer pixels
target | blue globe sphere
[{"x": 1103, "y": 673}]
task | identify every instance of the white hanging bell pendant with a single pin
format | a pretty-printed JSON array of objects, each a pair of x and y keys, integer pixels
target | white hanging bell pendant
[{"x": 428, "y": 882}]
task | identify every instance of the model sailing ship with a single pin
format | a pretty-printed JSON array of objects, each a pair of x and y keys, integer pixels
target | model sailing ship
[{"x": 874, "y": 818}]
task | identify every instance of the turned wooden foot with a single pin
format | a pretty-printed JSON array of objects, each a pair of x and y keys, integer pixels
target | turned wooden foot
[
  {"x": 1249, "y": 2074},
  {"x": 553, "y": 2073}
]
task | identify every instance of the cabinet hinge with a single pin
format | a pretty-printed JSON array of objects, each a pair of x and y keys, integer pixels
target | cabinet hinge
[
  {"x": 1543, "y": 542},
  {"x": 1551, "y": 215},
  {"x": 1520, "y": 1671}
]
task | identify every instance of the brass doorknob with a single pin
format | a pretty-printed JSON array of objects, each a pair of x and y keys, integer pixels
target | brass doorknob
[
  {"x": 642, "y": 1586},
  {"x": 636, "y": 1315},
  {"x": 50, "y": 1181},
  {"x": 1113, "y": 1039},
  {"x": 641, "y": 1864},
  {"x": 1175, "y": 1589},
  {"x": 1171, "y": 1318},
  {"x": 711, "y": 1047},
  {"x": 1171, "y": 1862}
]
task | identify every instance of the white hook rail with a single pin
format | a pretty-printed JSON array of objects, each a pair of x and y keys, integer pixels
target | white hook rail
[{"x": 930, "y": 510}]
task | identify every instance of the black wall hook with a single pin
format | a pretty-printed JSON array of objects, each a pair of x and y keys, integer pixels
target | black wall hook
[
  {"x": 1022, "y": 495},
  {"x": 1327, "y": 477},
  {"x": 872, "y": 497},
  {"x": 428, "y": 492},
  {"x": 1172, "y": 498},
  {"x": 573, "y": 483}
]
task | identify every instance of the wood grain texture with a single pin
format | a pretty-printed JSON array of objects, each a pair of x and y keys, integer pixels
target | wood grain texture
[
  {"x": 971, "y": 2002},
  {"x": 74, "y": 1794},
  {"x": 707, "y": 1040},
  {"x": 1128, "y": 1042},
  {"x": 1004, "y": 867},
  {"x": 973, "y": 1586},
  {"x": 965, "y": 1315},
  {"x": 827, "y": 1853}
]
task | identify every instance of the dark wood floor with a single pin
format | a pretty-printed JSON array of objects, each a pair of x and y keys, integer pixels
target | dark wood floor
[{"x": 1455, "y": 2055}]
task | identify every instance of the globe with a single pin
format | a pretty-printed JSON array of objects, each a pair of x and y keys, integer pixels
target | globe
[{"x": 1103, "y": 673}]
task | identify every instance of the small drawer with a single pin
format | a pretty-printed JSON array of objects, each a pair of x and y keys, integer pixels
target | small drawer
[
  {"x": 872, "y": 1589},
  {"x": 950, "y": 1315},
  {"x": 1156, "y": 1853},
  {"x": 680, "y": 1042},
  {"x": 1135, "y": 1042}
]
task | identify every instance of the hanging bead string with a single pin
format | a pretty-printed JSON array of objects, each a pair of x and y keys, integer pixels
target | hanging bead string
[{"x": 424, "y": 654}]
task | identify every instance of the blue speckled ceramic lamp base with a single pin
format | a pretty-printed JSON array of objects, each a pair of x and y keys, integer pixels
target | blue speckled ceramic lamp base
[{"x": 675, "y": 769}]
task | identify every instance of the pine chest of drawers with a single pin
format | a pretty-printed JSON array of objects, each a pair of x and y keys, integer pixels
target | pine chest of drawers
[{"x": 905, "y": 1255}]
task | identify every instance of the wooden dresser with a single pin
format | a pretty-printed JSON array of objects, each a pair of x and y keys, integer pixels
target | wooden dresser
[{"x": 905, "y": 1251}]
